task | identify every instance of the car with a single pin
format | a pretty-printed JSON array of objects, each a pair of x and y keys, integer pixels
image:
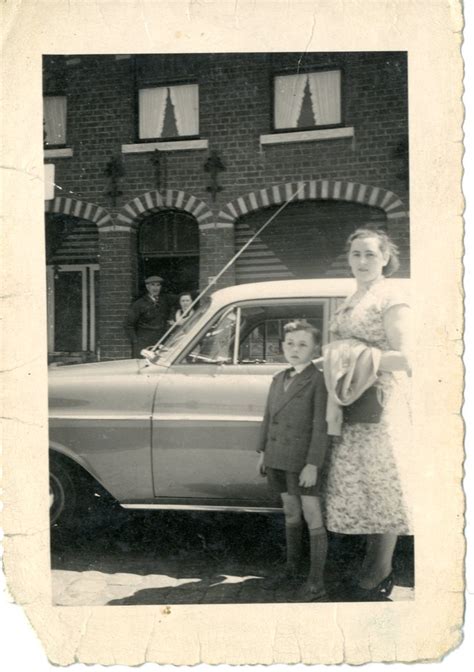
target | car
[{"x": 179, "y": 428}]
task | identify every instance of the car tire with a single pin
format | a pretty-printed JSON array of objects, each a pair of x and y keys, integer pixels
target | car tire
[{"x": 62, "y": 494}]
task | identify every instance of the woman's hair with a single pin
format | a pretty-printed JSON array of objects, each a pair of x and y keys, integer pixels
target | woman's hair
[
  {"x": 185, "y": 294},
  {"x": 303, "y": 325},
  {"x": 385, "y": 244}
]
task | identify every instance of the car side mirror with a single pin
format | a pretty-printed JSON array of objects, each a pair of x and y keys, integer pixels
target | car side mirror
[{"x": 151, "y": 356}]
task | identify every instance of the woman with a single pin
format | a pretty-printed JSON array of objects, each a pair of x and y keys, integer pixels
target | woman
[
  {"x": 363, "y": 493},
  {"x": 184, "y": 312}
]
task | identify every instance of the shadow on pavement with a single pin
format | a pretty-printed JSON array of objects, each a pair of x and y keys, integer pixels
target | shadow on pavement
[
  {"x": 135, "y": 539},
  {"x": 197, "y": 557}
]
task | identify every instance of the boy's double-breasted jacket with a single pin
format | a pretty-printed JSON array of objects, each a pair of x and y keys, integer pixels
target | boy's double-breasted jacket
[{"x": 294, "y": 430}]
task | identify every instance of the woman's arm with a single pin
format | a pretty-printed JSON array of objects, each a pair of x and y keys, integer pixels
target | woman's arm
[{"x": 396, "y": 321}]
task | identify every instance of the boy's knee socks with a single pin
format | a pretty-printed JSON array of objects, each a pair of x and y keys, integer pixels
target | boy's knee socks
[
  {"x": 318, "y": 545},
  {"x": 294, "y": 542}
]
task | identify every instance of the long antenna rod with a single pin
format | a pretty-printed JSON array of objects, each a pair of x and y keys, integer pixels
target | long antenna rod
[{"x": 232, "y": 261}]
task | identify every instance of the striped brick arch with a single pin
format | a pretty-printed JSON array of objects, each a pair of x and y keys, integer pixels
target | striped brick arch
[
  {"x": 154, "y": 201},
  {"x": 80, "y": 209},
  {"x": 259, "y": 262},
  {"x": 314, "y": 190}
]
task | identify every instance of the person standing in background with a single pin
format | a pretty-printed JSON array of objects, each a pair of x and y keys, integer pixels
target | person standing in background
[
  {"x": 184, "y": 311},
  {"x": 147, "y": 318}
]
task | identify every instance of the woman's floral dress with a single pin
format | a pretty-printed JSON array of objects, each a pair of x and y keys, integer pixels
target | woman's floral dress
[{"x": 363, "y": 488}]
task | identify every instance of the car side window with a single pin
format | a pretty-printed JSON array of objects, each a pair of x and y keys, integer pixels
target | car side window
[
  {"x": 261, "y": 331},
  {"x": 252, "y": 333},
  {"x": 263, "y": 343}
]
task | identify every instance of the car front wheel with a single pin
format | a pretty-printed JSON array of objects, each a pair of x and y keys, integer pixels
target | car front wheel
[{"x": 62, "y": 494}]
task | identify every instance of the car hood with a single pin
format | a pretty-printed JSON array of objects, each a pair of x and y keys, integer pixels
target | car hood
[
  {"x": 118, "y": 367},
  {"x": 118, "y": 389}
]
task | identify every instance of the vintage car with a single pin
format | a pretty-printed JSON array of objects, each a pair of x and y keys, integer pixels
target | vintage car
[{"x": 178, "y": 429}]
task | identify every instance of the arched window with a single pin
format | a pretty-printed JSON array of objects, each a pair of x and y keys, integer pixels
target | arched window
[
  {"x": 304, "y": 241},
  {"x": 168, "y": 245},
  {"x": 70, "y": 240}
]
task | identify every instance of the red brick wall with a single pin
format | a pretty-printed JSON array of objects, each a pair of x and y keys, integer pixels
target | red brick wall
[
  {"x": 118, "y": 283},
  {"x": 235, "y": 109},
  {"x": 216, "y": 247}
]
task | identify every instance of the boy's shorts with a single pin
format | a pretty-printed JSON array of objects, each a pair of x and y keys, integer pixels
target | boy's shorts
[{"x": 287, "y": 481}]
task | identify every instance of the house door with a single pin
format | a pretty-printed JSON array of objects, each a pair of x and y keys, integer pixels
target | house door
[
  {"x": 169, "y": 246},
  {"x": 72, "y": 300}
]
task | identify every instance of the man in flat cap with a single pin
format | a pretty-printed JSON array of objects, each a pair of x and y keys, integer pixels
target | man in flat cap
[{"x": 148, "y": 316}]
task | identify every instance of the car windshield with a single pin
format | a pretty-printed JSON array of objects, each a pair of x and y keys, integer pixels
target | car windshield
[{"x": 180, "y": 330}]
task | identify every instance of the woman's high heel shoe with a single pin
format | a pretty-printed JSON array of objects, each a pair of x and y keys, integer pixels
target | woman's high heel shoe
[{"x": 380, "y": 592}]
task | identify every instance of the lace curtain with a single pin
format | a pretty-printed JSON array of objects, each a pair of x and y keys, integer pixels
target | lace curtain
[
  {"x": 289, "y": 92},
  {"x": 55, "y": 119},
  {"x": 325, "y": 91},
  {"x": 151, "y": 106},
  {"x": 185, "y": 100}
]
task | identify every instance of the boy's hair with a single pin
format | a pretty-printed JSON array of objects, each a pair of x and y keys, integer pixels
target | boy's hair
[{"x": 302, "y": 325}]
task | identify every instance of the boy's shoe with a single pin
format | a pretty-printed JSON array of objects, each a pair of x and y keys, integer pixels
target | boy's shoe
[{"x": 311, "y": 592}]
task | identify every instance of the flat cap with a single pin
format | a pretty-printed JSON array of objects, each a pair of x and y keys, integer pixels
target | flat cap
[{"x": 153, "y": 278}]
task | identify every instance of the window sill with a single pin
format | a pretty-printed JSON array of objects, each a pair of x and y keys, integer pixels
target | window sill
[
  {"x": 63, "y": 152},
  {"x": 307, "y": 136},
  {"x": 173, "y": 146}
]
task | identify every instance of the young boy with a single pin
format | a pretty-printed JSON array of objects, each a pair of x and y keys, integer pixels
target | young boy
[{"x": 292, "y": 448}]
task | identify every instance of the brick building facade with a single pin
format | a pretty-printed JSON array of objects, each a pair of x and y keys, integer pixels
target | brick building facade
[{"x": 125, "y": 202}]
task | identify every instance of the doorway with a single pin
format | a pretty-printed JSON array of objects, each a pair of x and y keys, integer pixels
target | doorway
[
  {"x": 168, "y": 245},
  {"x": 72, "y": 267},
  {"x": 72, "y": 314}
]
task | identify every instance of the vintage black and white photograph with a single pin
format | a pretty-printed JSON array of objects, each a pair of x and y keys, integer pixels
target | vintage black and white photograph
[
  {"x": 228, "y": 262},
  {"x": 232, "y": 331}
]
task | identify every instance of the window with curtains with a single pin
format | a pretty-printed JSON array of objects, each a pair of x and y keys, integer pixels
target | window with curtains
[
  {"x": 168, "y": 112},
  {"x": 54, "y": 120},
  {"x": 307, "y": 100}
]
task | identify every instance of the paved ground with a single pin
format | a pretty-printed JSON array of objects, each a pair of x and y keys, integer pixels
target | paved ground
[{"x": 188, "y": 558}]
